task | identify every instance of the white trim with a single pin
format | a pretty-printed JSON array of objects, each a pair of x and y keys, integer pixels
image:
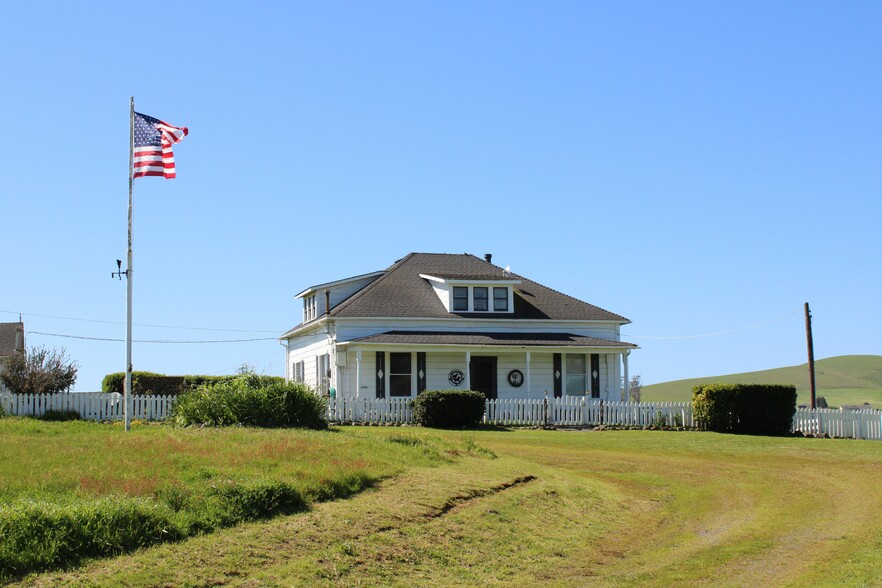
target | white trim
[
  {"x": 326, "y": 285},
  {"x": 461, "y": 281}
]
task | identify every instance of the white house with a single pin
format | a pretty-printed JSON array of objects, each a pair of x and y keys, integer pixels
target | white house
[{"x": 440, "y": 321}]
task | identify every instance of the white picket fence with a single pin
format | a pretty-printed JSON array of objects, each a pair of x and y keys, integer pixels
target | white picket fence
[
  {"x": 852, "y": 424},
  {"x": 571, "y": 411},
  {"x": 94, "y": 406},
  {"x": 574, "y": 411},
  {"x": 370, "y": 410}
]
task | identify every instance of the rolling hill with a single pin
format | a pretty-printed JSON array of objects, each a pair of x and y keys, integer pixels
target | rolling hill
[{"x": 846, "y": 379}]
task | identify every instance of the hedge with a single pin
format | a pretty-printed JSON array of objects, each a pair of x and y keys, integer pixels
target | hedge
[
  {"x": 752, "y": 409},
  {"x": 449, "y": 409},
  {"x": 161, "y": 384}
]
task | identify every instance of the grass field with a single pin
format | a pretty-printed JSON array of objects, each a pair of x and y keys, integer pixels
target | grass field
[
  {"x": 847, "y": 379},
  {"x": 517, "y": 508}
]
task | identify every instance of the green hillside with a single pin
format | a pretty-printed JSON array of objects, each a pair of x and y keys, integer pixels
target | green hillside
[{"x": 847, "y": 379}]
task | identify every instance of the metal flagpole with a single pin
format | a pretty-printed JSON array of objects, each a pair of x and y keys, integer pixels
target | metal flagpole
[{"x": 127, "y": 409}]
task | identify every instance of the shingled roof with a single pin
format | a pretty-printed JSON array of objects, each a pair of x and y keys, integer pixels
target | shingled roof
[{"x": 401, "y": 292}]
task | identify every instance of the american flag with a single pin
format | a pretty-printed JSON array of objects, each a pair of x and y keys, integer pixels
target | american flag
[{"x": 153, "y": 146}]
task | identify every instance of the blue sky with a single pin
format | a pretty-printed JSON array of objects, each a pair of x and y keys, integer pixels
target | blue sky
[{"x": 697, "y": 167}]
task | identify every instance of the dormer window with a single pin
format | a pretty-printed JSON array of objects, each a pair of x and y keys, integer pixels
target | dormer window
[
  {"x": 310, "y": 308},
  {"x": 474, "y": 294},
  {"x": 480, "y": 298},
  {"x": 500, "y": 299},
  {"x": 460, "y": 299}
]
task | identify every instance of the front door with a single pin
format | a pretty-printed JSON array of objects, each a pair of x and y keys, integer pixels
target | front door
[{"x": 483, "y": 375}]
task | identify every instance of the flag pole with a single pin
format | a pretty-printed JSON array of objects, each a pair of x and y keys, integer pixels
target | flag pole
[{"x": 127, "y": 413}]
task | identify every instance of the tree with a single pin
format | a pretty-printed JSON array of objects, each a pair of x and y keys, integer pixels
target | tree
[
  {"x": 39, "y": 371},
  {"x": 636, "y": 388}
]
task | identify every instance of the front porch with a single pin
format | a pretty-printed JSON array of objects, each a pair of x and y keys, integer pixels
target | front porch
[{"x": 502, "y": 365}]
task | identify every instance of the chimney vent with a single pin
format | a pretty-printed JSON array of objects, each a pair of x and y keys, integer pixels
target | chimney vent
[{"x": 488, "y": 257}]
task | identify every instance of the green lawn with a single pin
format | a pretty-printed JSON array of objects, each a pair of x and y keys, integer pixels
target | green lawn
[
  {"x": 529, "y": 507},
  {"x": 847, "y": 379}
]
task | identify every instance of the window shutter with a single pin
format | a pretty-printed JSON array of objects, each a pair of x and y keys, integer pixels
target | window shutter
[
  {"x": 421, "y": 371},
  {"x": 558, "y": 374},
  {"x": 595, "y": 375},
  {"x": 381, "y": 374}
]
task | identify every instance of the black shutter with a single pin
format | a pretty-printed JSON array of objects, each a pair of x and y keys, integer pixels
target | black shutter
[
  {"x": 421, "y": 371},
  {"x": 381, "y": 374},
  {"x": 595, "y": 375},
  {"x": 558, "y": 384}
]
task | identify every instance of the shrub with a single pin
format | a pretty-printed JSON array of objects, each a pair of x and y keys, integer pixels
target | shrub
[
  {"x": 39, "y": 371},
  {"x": 753, "y": 409},
  {"x": 60, "y": 415},
  {"x": 252, "y": 400},
  {"x": 452, "y": 409}
]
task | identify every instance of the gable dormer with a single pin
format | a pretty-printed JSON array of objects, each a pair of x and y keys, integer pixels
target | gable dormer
[{"x": 474, "y": 294}]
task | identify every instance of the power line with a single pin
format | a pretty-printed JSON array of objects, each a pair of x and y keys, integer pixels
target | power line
[
  {"x": 82, "y": 320},
  {"x": 164, "y": 341},
  {"x": 717, "y": 334}
]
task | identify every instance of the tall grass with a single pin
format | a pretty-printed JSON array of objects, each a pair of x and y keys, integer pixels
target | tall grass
[
  {"x": 251, "y": 400},
  {"x": 74, "y": 490}
]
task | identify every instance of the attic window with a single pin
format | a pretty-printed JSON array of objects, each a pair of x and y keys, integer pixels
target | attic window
[
  {"x": 479, "y": 294},
  {"x": 310, "y": 309},
  {"x": 500, "y": 299},
  {"x": 460, "y": 298}
]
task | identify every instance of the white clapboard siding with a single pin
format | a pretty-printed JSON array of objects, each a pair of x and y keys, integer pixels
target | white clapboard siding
[{"x": 94, "y": 406}]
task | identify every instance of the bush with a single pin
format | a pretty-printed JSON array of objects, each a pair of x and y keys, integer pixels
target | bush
[
  {"x": 39, "y": 371},
  {"x": 450, "y": 409},
  {"x": 60, "y": 415},
  {"x": 251, "y": 400},
  {"x": 150, "y": 383},
  {"x": 752, "y": 409}
]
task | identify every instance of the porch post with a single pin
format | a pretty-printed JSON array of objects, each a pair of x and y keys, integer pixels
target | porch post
[
  {"x": 627, "y": 381},
  {"x": 358, "y": 373},
  {"x": 468, "y": 370},
  {"x": 528, "y": 374}
]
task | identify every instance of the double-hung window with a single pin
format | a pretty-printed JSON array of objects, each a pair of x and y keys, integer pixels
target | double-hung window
[
  {"x": 299, "y": 375},
  {"x": 399, "y": 374},
  {"x": 323, "y": 373},
  {"x": 500, "y": 299},
  {"x": 577, "y": 375},
  {"x": 479, "y": 297},
  {"x": 460, "y": 298}
]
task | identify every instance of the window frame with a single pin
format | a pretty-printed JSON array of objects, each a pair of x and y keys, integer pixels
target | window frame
[
  {"x": 572, "y": 374},
  {"x": 398, "y": 376},
  {"x": 460, "y": 298},
  {"x": 485, "y": 299},
  {"x": 504, "y": 299}
]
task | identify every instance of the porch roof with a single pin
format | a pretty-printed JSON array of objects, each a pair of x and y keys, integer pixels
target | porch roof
[{"x": 466, "y": 338}]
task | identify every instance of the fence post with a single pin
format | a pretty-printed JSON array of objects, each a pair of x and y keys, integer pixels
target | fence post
[{"x": 545, "y": 410}]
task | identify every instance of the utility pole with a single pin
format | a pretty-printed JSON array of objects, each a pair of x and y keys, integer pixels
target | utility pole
[{"x": 811, "y": 353}]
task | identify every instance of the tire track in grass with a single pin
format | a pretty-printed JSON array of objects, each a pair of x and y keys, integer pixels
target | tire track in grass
[{"x": 303, "y": 548}]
